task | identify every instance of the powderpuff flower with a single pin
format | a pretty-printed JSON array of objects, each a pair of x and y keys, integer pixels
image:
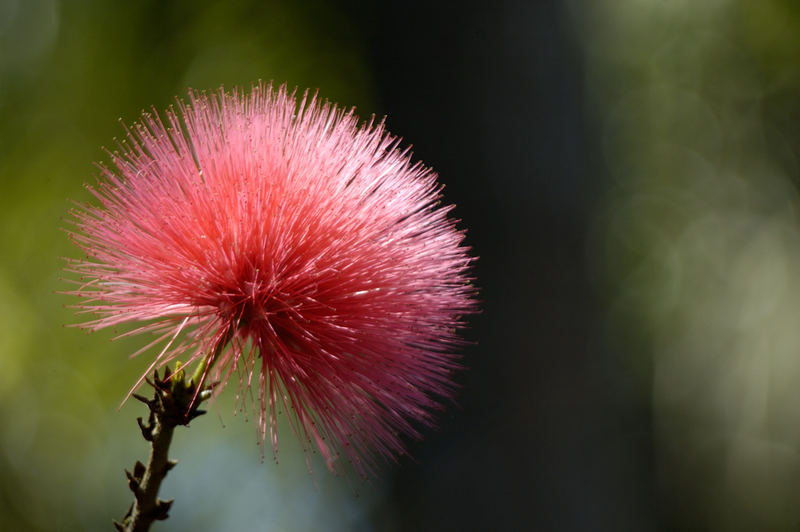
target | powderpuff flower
[{"x": 281, "y": 243}]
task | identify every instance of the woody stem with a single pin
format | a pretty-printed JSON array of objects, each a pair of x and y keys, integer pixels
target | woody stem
[
  {"x": 175, "y": 402},
  {"x": 146, "y": 506}
]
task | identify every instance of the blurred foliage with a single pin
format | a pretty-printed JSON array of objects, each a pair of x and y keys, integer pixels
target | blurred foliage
[
  {"x": 697, "y": 242},
  {"x": 68, "y": 70}
]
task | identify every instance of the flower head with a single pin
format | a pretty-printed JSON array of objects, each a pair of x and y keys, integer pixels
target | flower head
[{"x": 282, "y": 242}]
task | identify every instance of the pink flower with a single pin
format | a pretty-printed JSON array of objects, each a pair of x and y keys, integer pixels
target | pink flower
[{"x": 300, "y": 251}]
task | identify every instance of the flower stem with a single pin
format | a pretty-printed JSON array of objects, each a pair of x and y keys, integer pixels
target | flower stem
[{"x": 174, "y": 403}]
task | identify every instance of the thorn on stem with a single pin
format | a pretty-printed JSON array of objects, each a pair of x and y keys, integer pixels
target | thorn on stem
[
  {"x": 195, "y": 413},
  {"x": 141, "y": 398},
  {"x": 133, "y": 484},
  {"x": 138, "y": 470},
  {"x": 147, "y": 431},
  {"x": 159, "y": 400},
  {"x": 161, "y": 511}
]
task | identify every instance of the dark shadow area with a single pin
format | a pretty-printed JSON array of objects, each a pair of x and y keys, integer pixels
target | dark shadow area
[{"x": 550, "y": 433}]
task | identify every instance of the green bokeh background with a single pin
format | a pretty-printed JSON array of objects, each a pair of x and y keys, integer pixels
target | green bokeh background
[
  {"x": 696, "y": 115},
  {"x": 68, "y": 70}
]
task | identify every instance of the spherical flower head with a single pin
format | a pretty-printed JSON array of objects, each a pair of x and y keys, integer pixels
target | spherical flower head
[{"x": 283, "y": 242}]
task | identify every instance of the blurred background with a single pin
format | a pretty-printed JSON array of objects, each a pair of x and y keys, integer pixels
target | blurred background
[{"x": 628, "y": 174}]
